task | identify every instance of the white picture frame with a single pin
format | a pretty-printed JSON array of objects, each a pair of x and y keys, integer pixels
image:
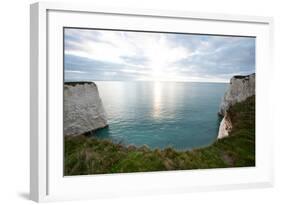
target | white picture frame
[{"x": 47, "y": 182}]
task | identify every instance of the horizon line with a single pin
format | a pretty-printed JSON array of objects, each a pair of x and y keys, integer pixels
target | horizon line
[{"x": 152, "y": 81}]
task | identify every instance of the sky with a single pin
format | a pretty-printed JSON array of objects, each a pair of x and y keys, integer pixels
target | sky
[{"x": 104, "y": 55}]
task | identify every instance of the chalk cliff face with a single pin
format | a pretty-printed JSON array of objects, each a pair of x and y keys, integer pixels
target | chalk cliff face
[
  {"x": 83, "y": 108},
  {"x": 240, "y": 88},
  {"x": 225, "y": 127}
]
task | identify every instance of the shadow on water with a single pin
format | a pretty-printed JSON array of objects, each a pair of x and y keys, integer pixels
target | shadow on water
[
  {"x": 219, "y": 119},
  {"x": 104, "y": 133},
  {"x": 99, "y": 132}
]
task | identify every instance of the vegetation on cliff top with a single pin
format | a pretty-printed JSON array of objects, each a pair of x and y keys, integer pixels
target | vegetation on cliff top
[
  {"x": 94, "y": 156},
  {"x": 74, "y": 83}
]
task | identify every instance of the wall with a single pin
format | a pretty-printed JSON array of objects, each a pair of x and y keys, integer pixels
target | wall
[{"x": 14, "y": 103}]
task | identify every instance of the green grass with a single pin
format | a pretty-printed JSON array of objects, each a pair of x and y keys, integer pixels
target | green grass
[{"x": 93, "y": 156}]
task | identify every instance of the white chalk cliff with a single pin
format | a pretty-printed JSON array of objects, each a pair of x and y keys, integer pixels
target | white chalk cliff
[
  {"x": 225, "y": 127},
  {"x": 239, "y": 89},
  {"x": 83, "y": 108}
]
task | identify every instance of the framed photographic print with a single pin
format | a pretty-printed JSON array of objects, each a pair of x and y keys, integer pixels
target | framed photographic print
[{"x": 127, "y": 102}]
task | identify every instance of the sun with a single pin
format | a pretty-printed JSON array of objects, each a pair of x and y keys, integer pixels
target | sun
[
  {"x": 157, "y": 74},
  {"x": 158, "y": 66}
]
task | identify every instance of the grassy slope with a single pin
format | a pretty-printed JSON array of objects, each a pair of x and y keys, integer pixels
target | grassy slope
[{"x": 93, "y": 156}]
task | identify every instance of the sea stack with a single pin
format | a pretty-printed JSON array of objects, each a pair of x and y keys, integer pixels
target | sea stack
[
  {"x": 83, "y": 108},
  {"x": 239, "y": 89}
]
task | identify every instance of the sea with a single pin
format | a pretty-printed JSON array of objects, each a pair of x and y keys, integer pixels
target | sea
[{"x": 181, "y": 115}]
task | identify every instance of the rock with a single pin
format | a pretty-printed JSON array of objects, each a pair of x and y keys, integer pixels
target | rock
[
  {"x": 144, "y": 148},
  {"x": 132, "y": 148},
  {"x": 83, "y": 108},
  {"x": 225, "y": 127},
  {"x": 240, "y": 88}
]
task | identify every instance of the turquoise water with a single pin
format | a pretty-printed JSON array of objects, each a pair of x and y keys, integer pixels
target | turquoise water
[{"x": 161, "y": 114}]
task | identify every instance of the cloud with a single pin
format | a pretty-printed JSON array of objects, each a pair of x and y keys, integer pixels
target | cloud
[{"x": 121, "y": 55}]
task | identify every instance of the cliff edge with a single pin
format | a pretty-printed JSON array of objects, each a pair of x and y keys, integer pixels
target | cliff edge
[
  {"x": 240, "y": 88},
  {"x": 83, "y": 108}
]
